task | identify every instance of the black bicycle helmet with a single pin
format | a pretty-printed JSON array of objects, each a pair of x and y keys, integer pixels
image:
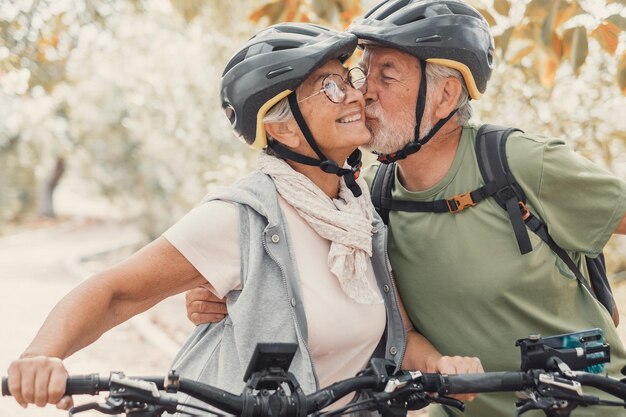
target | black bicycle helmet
[
  {"x": 446, "y": 32},
  {"x": 271, "y": 65}
]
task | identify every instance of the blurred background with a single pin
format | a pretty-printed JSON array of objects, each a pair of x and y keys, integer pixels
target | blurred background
[
  {"x": 111, "y": 127},
  {"x": 123, "y": 94}
]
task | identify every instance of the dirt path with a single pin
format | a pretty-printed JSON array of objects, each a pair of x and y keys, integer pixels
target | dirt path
[{"x": 38, "y": 267}]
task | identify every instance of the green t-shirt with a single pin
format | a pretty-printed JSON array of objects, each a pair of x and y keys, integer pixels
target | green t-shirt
[{"x": 464, "y": 283}]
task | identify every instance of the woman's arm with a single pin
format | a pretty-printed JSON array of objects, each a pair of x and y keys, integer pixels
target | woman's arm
[{"x": 107, "y": 299}]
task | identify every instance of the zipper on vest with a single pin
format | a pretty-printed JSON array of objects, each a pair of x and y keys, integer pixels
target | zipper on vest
[
  {"x": 392, "y": 288},
  {"x": 295, "y": 317}
]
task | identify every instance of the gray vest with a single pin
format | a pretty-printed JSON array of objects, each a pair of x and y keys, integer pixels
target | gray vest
[{"x": 269, "y": 306}]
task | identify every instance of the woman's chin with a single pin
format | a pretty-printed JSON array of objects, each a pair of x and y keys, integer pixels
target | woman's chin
[{"x": 356, "y": 135}]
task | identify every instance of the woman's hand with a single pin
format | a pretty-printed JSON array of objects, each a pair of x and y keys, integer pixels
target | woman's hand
[{"x": 39, "y": 380}]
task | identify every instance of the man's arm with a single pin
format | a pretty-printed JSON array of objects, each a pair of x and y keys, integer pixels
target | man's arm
[{"x": 204, "y": 307}]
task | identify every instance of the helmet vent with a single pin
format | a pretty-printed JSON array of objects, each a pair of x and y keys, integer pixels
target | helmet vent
[
  {"x": 432, "y": 38},
  {"x": 230, "y": 113},
  {"x": 391, "y": 9},
  {"x": 279, "y": 71},
  {"x": 462, "y": 9}
]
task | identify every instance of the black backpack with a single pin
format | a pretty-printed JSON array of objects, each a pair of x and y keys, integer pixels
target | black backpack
[{"x": 501, "y": 185}]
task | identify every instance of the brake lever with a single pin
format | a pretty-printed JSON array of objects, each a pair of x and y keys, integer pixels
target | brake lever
[
  {"x": 111, "y": 406},
  {"x": 449, "y": 401},
  {"x": 541, "y": 403}
]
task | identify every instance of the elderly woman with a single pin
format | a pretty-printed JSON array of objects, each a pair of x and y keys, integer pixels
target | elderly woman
[{"x": 294, "y": 246}]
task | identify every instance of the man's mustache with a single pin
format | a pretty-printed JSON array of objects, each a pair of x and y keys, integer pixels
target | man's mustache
[{"x": 373, "y": 111}]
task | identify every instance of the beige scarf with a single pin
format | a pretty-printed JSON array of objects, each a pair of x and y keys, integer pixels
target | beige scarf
[{"x": 346, "y": 221}]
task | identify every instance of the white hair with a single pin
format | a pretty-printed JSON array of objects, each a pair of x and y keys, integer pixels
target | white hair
[
  {"x": 435, "y": 73},
  {"x": 279, "y": 112}
]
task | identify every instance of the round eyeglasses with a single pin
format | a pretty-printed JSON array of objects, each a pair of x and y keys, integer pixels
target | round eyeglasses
[{"x": 335, "y": 86}]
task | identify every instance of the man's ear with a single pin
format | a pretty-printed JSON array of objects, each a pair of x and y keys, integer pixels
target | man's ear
[
  {"x": 448, "y": 93},
  {"x": 286, "y": 132}
]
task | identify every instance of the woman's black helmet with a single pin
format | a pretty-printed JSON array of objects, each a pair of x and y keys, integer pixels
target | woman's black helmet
[
  {"x": 446, "y": 32},
  {"x": 270, "y": 66}
]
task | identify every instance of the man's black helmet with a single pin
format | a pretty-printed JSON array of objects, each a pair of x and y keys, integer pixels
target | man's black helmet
[
  {"x": 446, "y": 32},
  {"x": 270, "y": 66}
]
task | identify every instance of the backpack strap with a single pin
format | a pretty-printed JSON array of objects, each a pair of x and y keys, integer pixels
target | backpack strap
[
  {"x": 494, "y": 167},
  {"x": 491, "y": 156},
  {"x": 381, "y": 190},
  {"x": 383, "y": 202},
  {"x": 541, "y": 230}
]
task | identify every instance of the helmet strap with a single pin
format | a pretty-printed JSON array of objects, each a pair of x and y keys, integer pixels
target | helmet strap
[
  {"x": 417, "y": 143},
  {"x": 325, "y": 164},
  {"x": 421, "y": 101}
]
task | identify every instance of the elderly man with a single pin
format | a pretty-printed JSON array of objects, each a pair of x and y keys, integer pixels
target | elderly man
[{"x": 465, "y": 284}]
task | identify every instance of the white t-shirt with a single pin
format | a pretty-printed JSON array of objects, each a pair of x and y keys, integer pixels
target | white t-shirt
[{"x": 342, "y": 334}]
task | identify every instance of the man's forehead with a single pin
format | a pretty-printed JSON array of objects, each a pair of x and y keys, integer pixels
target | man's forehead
[{"x": 388, "y": 57}]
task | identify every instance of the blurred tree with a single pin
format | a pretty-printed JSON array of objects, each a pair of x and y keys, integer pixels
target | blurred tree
[
  {"x": 37, "y": 39},
  {"x": 548, "y": 33},
  {"x": 336, "y": 13},
  {"x": 126, "y": 91},
  {"x": 540, "y": 36},
  {"x": 144, "y": 105}
]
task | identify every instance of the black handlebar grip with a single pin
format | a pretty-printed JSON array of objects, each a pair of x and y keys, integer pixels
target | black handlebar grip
[
  {"x": 86, "y": 384},
  {"x": 477, "y": 383},
  {"x": 605, "y": 383},
  {"x": 77, "y": 384}
]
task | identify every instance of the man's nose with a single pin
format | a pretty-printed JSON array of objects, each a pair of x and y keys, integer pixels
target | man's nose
[{"x": 371, "y": 94}]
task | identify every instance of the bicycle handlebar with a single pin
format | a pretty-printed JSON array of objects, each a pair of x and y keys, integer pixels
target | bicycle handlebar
[
  {"x": 425, "y": 383},
  {"x": 91, "y": 384}
]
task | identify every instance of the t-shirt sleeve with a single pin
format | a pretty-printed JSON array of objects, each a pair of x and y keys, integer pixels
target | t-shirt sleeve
[
  {"x": 581, "y": 203},
  {"x": 369, "y": 173},
  {"x": 208, "y": 236}
]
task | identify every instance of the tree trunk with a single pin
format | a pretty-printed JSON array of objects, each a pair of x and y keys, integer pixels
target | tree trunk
[{"x": 46, "y": 191}]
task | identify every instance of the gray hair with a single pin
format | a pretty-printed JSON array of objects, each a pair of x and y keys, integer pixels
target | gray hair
[
  {"x": 435, "y": 73},
  {"x": 280, "y": 112}
]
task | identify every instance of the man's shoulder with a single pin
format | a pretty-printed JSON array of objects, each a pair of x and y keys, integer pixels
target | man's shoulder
[
  {"x": 523, "y": 149},
  {"x": 369, "y": 172},
  {"x": 524, "y": 138}
]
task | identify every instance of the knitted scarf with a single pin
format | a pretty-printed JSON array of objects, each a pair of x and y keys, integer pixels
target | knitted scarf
[{"x": 345, "y": 221}]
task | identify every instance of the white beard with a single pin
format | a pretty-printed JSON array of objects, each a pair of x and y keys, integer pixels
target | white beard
[{"x": 387, "y": 138}]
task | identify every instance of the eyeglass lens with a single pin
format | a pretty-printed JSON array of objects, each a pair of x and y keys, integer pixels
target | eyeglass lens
[{"x": 335, "y": 86}]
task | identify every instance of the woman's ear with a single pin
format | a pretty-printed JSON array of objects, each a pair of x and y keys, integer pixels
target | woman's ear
[
  {"x": 286, "y": 132},
  {"x": 449, "y": 91}
]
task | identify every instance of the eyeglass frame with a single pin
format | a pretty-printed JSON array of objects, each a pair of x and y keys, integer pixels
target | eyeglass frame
[{"x": 346, "y": 81}]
